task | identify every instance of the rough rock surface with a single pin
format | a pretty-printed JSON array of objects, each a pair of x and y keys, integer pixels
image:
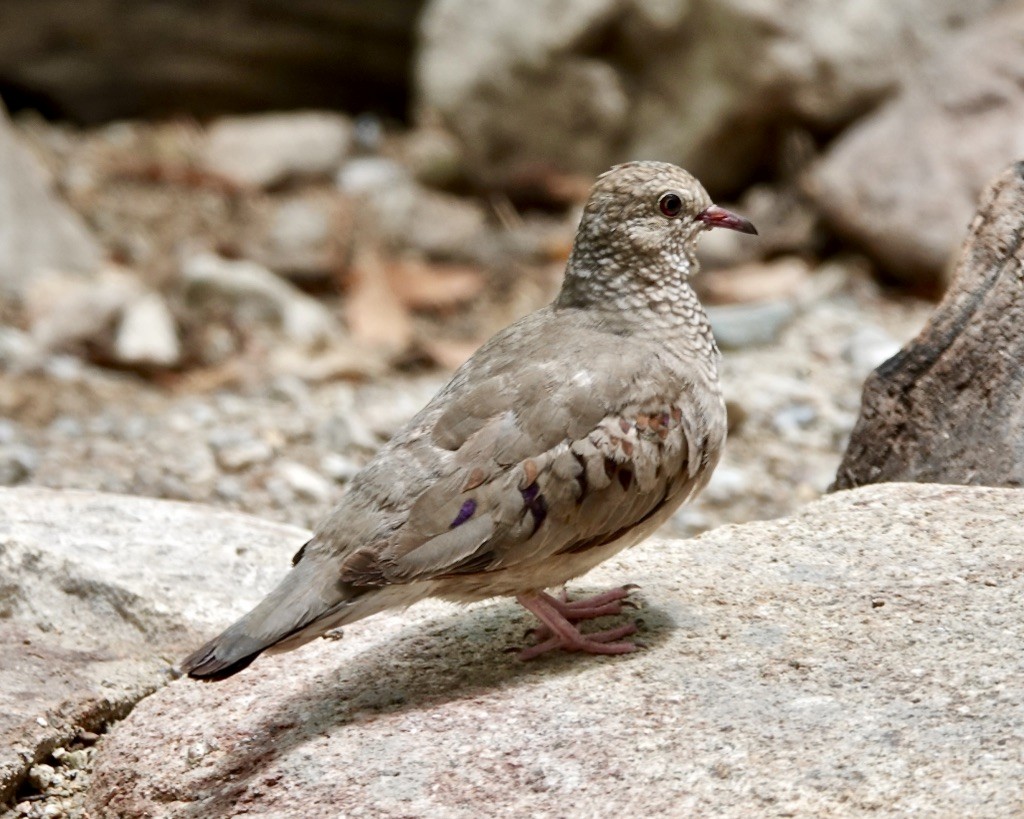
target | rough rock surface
[
  {"x": 861, "y": 657},
  {"x": 903, "y": 181},
  {"x": 100, "y": 593},
  {"x": 947, "y": 408},
  {"x": 705, "y": 83},
  {"x": 37, "y": 231}
]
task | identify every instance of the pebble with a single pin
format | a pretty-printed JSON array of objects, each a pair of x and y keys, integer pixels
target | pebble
[
  {"x": 268, "y": 149},
  {"x": 255, "y": 294},
  {"x": 746, "y": 325},
  {"x": 299, "y": 237},
  {"x": 147, "y": 334},
  {"x": 243, "y": 455},
  {"x": 17, "y": 463},
  {"x": 76, "y": 759},
  {"x": 339, "y": 468},
  {"x": 867, "y": 348},
  {"x": 365, "y": 175},
  {"x": 304, "y": 482},
  {"x": 41, "y": 776}
]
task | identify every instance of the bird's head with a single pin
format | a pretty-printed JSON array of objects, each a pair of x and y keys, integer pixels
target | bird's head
[
  {"x": 639, "y": 230},
  {"x": 652, "y": 209}
]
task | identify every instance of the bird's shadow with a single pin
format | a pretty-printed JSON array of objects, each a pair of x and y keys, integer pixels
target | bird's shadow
[{"x": 430, "y": 662}]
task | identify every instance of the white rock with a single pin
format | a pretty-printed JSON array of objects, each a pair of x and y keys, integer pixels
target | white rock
[
  {"x": 268, "y": 149},
  {"x": 65, "y": 310},
  {"x": 255, "y": 293},
  {"x": 148, "y": 334},
  {"x": 868, "y": 347},
  {"x": 304, "y": 482},
  {"x": 38, "y": 232},
  {"x": 364, "y": 175}
]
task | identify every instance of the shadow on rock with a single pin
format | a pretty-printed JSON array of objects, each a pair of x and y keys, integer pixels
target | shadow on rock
[{"x": 425, "y": 665}]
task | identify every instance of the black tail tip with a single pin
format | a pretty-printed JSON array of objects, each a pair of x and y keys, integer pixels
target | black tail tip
[{"x": 205, "y": 665}]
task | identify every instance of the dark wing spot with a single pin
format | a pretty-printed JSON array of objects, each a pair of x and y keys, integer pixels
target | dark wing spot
[
  {"x": 581, "y": 478},
  {"x": 465, "y": 513},
  {"x": 539, "y": 510},
  {"x": 299, "y": 554},
  {"x": 535, "y": 502}
]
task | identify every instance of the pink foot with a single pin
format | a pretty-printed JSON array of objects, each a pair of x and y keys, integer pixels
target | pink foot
[{"x": 558, "y": 632}]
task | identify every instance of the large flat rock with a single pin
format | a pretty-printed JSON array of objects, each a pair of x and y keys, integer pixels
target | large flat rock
[
  {"x": 861, "y": 657},
  {"x": 100, "y": 594}
]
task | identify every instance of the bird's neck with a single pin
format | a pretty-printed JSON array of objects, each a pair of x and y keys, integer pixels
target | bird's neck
[{"x": 636, "y": 298}]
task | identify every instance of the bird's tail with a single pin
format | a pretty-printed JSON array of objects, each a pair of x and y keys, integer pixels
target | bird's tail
[{"x": 288, "y": 617}]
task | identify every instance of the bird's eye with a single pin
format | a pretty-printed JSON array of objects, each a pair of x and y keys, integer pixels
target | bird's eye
[{"x": 670, "y": 204}]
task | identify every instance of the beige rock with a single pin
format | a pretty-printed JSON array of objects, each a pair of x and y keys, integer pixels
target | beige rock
[
  {"x": 268, "y": 149},
  {"x": 705, "y": 83},
  {"x": 861, "y": 657},
  {"x": 904, "y": 181},
  {"x": 99, "y": 594},
  {"x": 38, "y": 232}
]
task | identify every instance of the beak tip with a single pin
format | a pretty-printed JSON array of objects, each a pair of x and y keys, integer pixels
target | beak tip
[{"x": 716, "y": 216}]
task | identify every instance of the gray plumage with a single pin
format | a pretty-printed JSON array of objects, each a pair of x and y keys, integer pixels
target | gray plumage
[{"x": 567, "y": 437}]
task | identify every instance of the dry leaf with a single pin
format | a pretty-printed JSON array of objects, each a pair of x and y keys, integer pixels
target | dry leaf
[
  {"x": 422, "y": 286},
  {"x": 374, "y": 314},
  {"x": 447, "y": 353}
]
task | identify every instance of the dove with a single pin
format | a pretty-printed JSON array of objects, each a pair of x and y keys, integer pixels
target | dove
[{"x": 569, "y": 436}]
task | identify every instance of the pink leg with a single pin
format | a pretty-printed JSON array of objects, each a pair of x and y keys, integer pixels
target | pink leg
[
  {"x": 557, "y": 630},
  {"x": 600, "y": 605}
]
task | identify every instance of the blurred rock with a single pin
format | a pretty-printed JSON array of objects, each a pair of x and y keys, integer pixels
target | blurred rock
[
  {"x": 304, "y": 482},
  {"x": 903, "y": 182},
  {"x": 17, "y": 463},
  {"x": 434, "y": 156},
  {"x": 305, "y": 237},
  {"x": 237, "y": 452},
  {"x": 405, "y": 215},
  {"x": 38, "y": 232},
  {"x": 745, "y": 325},
  {"x": 364, "y": 175},
  {"x": 148, "y": 334},
  {"x": 710, "y": 82},
  {"x": 67, "y": 312},
  {"x": 254, "y": 294},
  {"x": 783, "y": 278},
  {"x": 91, "y": 61},
  {"x": 265, "y": 150},
  {"x": 19, "y": 351},
  {"x": 869, "y": 347}
]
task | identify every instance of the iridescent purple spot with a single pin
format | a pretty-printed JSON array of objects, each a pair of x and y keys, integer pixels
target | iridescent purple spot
[
  {"x": 465, "y": 513},
  {"x": 535, "y": 503}
]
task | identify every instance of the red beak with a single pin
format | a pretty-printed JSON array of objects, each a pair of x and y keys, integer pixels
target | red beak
[{"x": 716, "y": 217}]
